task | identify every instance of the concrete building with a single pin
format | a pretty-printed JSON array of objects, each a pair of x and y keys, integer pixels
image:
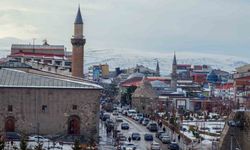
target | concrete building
[
  {"x": 38, "y": 102},
  {"x": 78, "y": 41},
  {"x": 242, "y": 86}
]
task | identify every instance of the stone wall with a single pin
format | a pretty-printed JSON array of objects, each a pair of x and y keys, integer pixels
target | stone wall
[{"x": 27, "y": 110}]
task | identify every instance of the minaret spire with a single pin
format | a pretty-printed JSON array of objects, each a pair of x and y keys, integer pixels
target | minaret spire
[
  {"x": 174, "y": 75},
  {"x": 157, "y": 69},
  {"x": 78, "y": 19}
]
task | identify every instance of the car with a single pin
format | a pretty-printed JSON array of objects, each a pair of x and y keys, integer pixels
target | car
[
  {"x": 36, "y": 138},
  {"x": 165, "y": 139},
  {"x": 152, "y": 127},
  {"x": 173, "y": 146},
  {"x": 136, "y": 136},
  {"x": 141, "y": 120},
  {"x": 125, "y": 112},
  {"x": 131, "y": 112},
  {"x": 12, "y": 136},
  {"x": 162, "y": 134},
  {"x": 128, "y": 146},
  {"x": 155, "y": 146},
  {"x": 148, "y": 137},
  {"x": 119, "y": 119},
  {"x": 105, "y": 116},
  {"x": 158, "y": 133},
  {"x": 145, "y": 121},
  {"x": 109, "y": 123},
  {"x": 125, "y": 126},
  {"x": 115, "y": 113}
]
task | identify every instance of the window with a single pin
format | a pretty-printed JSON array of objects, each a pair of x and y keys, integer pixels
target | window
[
  {"x": 44, "y": 108},
  {"x": 10, "y": 108},
  {"x": 74, "y": 107}
]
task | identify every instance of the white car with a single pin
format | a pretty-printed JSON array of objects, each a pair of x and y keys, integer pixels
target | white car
[
  {"x": 155, "y": 146},
  {"x": 39, "y": 138},
  {"x": 118, "y": 119},
  {"x": 128, "y": 146}
]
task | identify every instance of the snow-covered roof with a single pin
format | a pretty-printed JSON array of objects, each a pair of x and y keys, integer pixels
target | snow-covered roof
[
  {"x": 135, "y": 75},
  {"x": 15, "y": 78}
]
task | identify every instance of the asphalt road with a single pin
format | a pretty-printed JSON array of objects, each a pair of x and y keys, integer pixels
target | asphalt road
[{"x": 134, "y": 126}]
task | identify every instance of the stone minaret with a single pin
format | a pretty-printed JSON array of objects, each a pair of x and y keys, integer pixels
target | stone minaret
[
  {"x": 157, "y": 69},
  {"x": 78, "y": 42},
  {"x": 174, "y": 74}
]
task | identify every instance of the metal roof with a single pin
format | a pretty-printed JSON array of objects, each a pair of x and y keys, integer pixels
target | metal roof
[{"x": 15, "y": 78}]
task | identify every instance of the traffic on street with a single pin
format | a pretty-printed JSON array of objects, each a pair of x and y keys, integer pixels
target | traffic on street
[{"x": 125, "y": 129}]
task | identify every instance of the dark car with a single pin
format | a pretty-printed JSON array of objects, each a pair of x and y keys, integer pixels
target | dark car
[
  {"x": 173, "y": 146},
  {"x": 124, "y": 126},
  {"x": 145, "y": 121},
  {"x": 12, "y": 136},
  {"x": 148, "y": 137},
  {"x": 136, "y": 136}
]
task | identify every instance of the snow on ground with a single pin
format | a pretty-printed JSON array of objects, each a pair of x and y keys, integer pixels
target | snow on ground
[{"x": 32, "y": 145}]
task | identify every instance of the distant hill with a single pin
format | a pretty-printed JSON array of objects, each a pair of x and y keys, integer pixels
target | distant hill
[{"x": 124, "y": 58}]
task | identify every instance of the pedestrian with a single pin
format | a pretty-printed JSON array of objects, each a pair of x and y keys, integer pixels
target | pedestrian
[
  {"x": 160, "y": 124},
  {"x": 179, "y": 137},
  {"x": 129, "y": 139},
  {"x": 164, "y": 129}
]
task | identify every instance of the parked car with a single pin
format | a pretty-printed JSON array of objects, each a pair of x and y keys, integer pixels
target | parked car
[
  {"x": 158, "y": 133},
  {"x": 173, "y": 146},
  {"x": 115, "y": 113},
  {"x": 12, "y": 136},
  {"x": 162, "y": 134},
  {"x": 36, "y": 138},
  {"x": 145, "y": 121},
  {"x": 148, "y": 137},
  {"x": 125, "y": 126},
  {"x": 155, "y": 146},
  {"x": 105, "y": 116},
  {"x": 136, "y": 136},
  {"x": 152, "y": 127},
  {"x": 128, "y": 146},
  {"x": 119, "y": 119},
  {"x": 131, "y": 112},
  {"x": 165, "y": 139},
  {"x": 109, "y": 123}
]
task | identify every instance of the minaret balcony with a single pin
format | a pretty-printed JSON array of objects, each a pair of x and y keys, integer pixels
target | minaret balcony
[{"x": 78, "y": 41}]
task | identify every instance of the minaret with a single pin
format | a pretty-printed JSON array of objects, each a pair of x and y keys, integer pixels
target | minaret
[
  {"x": 174, "y": 74},
  {"x": 157, "y": 69},
  {"x": 78, "y": 42}
]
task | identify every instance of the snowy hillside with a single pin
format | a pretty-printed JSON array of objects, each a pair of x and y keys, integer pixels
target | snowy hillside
[{"x": 124, "y": 58}]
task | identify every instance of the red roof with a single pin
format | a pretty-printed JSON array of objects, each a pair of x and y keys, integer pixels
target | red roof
[
  {"x": 137, "y": 81},
  {"x": 226, "y": 86},
  {"x": 23, "y": 54}
]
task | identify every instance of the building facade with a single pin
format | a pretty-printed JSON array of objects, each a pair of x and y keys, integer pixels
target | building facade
[{"x": 37, "y": 104}]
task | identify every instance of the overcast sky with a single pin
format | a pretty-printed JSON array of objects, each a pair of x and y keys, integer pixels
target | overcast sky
[{"x": 209, "y": 26}]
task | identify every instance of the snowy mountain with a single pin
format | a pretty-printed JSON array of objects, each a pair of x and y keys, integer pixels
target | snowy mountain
[{"x": 125, "y": 58}]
